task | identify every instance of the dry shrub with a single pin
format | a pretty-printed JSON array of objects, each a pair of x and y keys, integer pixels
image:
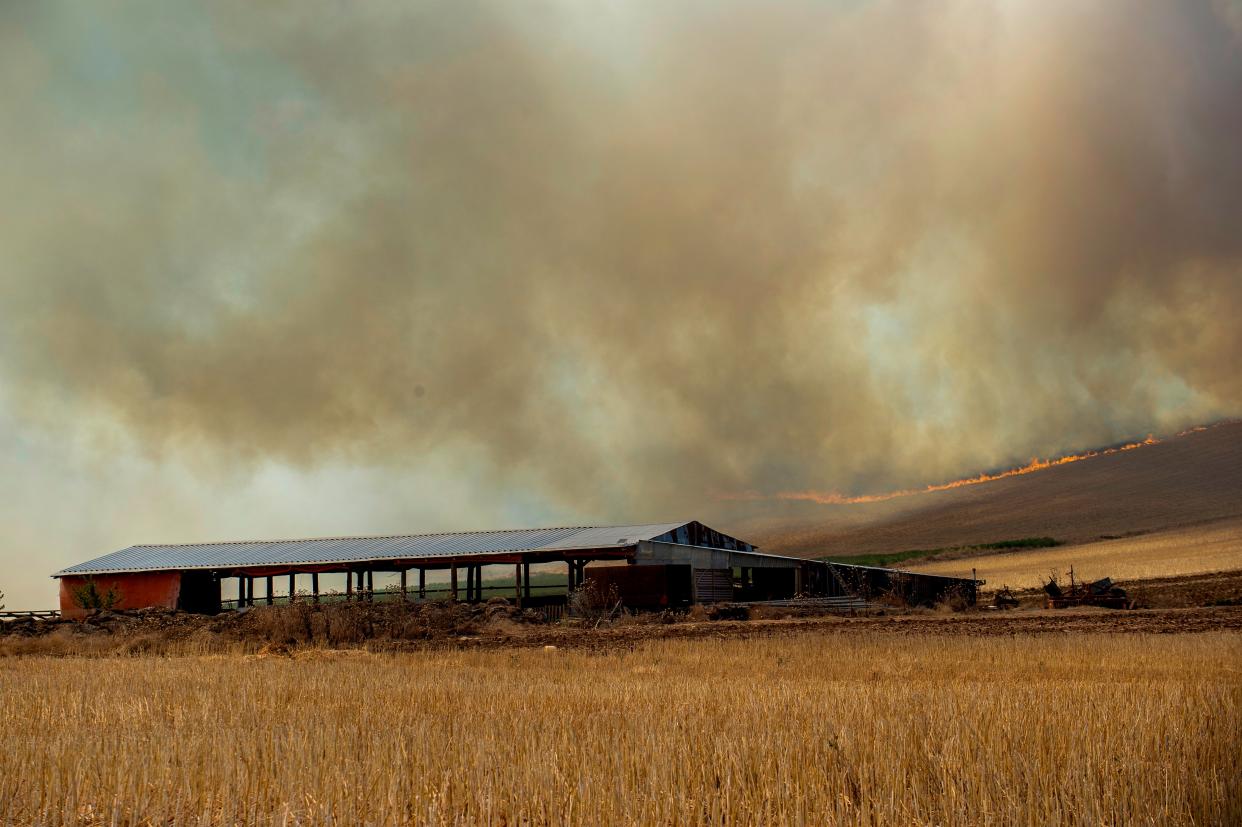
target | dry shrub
[{"x": 594, "y": 602}]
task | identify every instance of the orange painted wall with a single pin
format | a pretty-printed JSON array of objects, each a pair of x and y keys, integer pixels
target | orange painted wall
[{"x": 138, "y": 590}]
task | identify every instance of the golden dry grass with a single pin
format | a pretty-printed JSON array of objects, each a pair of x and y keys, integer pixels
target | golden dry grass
[
  {"x": 1216, "y": 547},
  {"x": 847, "y": 729}
]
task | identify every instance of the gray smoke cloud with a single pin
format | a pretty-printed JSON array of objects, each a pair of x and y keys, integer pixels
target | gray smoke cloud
[{"x": 632, "y": 257}]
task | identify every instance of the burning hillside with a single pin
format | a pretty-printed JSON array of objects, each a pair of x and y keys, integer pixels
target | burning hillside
[
  {"x": 1190, "y": 478},
  {"x": 1036, "y": 464}
]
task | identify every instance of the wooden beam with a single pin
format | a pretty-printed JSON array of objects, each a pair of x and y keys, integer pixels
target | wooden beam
[
  {"x": 315, "y": 585},
  {"x": 293, "y": 586},
  {"x": 403, "y": 584},
  {"x": 370, "y": 584},
  {"x": 517, "y": 583},
  {"x": 349, "y": 585},
  {"x": 269, "y": 590},
  {"x": 526, "y": 580},
  {"x": 422, "y": 583},
  {"x": 453, "y": 582}
]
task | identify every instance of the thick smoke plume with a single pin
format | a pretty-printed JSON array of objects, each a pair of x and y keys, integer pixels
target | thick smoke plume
[{"x": 632, "y": 256}]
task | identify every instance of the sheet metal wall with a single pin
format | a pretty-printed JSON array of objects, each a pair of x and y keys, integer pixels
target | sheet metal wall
[
  {"x": 136, "y": 591},
  {"x": 645, "y": 587}
]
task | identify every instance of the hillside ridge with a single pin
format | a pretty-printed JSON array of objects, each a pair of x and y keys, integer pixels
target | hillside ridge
[{"x": 1192, "y": 478}]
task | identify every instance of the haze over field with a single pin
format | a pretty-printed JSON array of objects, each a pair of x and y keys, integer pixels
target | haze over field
[{"x": 325, "y": 269}]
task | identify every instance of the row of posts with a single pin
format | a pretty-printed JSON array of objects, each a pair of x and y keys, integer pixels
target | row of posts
[{"x": 360, "y": 584}]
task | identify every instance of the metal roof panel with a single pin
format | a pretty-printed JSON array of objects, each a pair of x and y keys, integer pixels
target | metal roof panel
[{"x": 344, "y": 550}]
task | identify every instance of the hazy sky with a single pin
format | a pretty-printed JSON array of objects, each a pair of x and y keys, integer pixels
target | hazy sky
[{"x": 331, "y": 268}]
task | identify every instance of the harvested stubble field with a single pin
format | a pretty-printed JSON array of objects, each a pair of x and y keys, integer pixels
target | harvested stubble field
[
  {"x": 798, "y": 729},
  {"x": 1214, "y": 547}
]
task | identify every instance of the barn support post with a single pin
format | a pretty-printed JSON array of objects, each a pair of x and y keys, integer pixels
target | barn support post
[
  {"x": 469, "y": 584},
  {"x": 293, "y": 586},
  {"x": 478, "y": 584},
  {"x": 422, "y": 583},
  {"x": 370, "y": 585},
  {"x": 349, "y": 585},
  {"x": 517, "y": 583},
  {"x": 315, "y": 586},
  {"x": 403, "y": 585},
  {"x": 269, "y": 590},
  {"x": 453, "y": 582},
  {"x": 526, "y": 581},
  {"x": 249, "y": 590}
]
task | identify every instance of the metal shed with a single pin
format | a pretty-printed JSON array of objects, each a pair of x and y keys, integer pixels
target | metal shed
[{"x": 698, "y": 564}]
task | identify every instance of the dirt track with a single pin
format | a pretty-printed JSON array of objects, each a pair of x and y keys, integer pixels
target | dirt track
[
  {"x": 980, "y": 624},
  {"x": 396, "y": 627}
]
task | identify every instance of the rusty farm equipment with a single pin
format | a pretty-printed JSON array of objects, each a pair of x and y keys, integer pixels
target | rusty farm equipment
[{"x": 1101, "y": 592}]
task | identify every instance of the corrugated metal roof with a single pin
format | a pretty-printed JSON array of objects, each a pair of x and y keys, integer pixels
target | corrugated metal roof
[{"x": 331, "y": 550}]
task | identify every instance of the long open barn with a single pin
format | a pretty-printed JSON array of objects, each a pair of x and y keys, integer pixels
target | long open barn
[{"x": 648, "y": 566}]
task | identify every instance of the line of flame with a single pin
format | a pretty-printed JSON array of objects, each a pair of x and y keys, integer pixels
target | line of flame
[{"x": 836, "y": 498}]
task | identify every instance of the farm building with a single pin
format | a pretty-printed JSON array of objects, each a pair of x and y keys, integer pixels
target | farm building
[{"x": 648, "y": 566}]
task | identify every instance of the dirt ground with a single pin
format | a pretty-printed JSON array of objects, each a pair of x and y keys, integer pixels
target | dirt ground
[
  {"x": 1221, "y": 588},
  {"x": 1185, "y": 604}
]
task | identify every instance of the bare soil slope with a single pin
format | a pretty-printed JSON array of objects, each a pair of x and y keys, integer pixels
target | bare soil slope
[{"x": 1187, "y": 480}]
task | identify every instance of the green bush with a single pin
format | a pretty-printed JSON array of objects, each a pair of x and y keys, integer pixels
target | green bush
[
  {"x": 887, "y": 559},
  {"x": 90, "y": 596}
]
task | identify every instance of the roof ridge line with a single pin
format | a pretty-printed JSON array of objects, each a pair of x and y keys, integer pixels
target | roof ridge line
[{"x": 395, "y": 536}]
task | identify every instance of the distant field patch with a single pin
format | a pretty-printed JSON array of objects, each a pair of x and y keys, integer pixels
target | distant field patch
[
  {"x": 1194, "y": 550},
  {"x": 892, "y": 558}
]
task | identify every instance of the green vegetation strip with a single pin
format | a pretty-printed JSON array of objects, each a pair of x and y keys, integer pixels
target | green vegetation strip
[{"x": 889, "y": 558}]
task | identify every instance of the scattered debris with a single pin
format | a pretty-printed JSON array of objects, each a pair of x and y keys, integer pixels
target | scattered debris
[{"x": 1005, "y": 599}]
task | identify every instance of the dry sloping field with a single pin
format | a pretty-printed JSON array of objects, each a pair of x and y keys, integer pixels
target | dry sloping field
[
  {"x": 805, "y": 729},
  {"x": 1183, "y": 481},
  {"x": 1185, "y": 551}
]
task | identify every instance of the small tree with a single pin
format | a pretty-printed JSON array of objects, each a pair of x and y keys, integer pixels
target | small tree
[{"x": 90, "y": 596}]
